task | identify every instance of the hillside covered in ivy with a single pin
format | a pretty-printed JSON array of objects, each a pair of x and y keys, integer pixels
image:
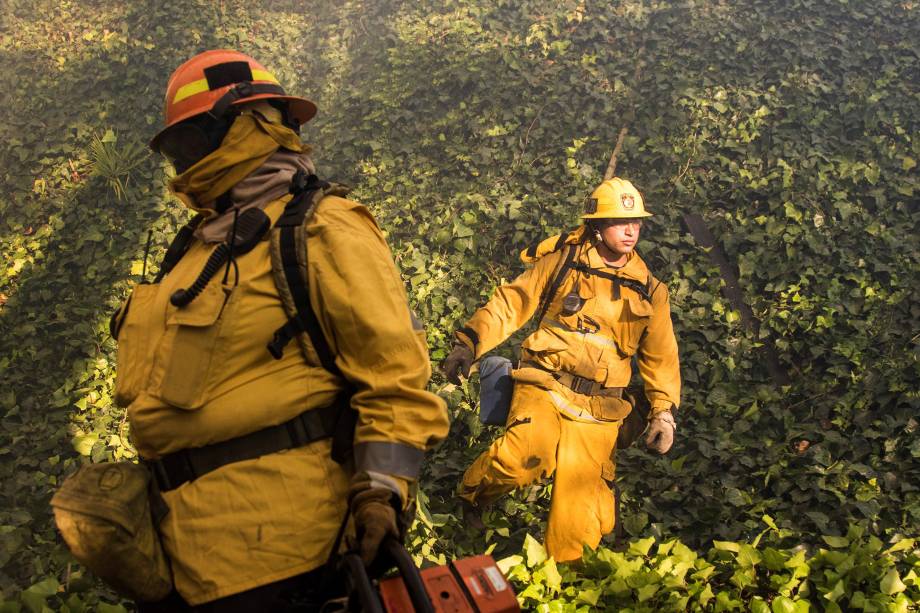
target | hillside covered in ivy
[{"x": 473, "y": 128}]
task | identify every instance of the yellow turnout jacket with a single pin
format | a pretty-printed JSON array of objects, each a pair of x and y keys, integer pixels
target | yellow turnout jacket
[{"x": 201, "y": 374}]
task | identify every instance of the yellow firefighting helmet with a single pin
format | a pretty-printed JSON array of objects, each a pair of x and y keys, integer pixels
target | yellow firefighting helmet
[{"x": 615, "y": 199}]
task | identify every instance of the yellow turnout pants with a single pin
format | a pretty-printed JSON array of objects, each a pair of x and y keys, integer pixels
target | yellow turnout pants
[{"x": 553, "y": 429}]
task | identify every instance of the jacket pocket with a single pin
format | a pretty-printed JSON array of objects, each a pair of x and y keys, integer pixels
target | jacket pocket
[
  {"x": 609, "y": 408},
  {"x": 188, "y": 348},
  {"x": 631, "y": 324},
  {"x": 135, "y": 336},
  {"x": 546, "y": 345}
]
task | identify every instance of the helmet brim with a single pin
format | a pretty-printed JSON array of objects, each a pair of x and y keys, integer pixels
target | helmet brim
[{"x": 301, "y": 109}]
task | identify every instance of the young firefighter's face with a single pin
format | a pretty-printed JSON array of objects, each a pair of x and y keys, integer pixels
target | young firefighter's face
[{"x": 620, "y": 235}]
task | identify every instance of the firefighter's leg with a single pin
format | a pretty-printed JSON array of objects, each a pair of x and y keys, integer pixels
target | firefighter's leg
[
  {"x": 522, "y": 455},
  {"x": 582, "y": 507}
]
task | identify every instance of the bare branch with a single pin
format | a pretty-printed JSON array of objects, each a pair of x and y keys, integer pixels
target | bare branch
[{"x": 612, "y": 165}]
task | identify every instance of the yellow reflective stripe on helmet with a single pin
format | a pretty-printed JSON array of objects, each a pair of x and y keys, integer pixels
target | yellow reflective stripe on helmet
[
  {"x": 190, "y": 89},
  {"x": 590, "y": 337},
  {"x": 570, "y": 409},
  {"x": 201, "y": 85},
  {"x": 262, "y": 75}
]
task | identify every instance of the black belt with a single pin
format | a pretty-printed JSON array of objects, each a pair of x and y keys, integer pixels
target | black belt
[
  {"x": 577, "y": 384},
  {"x": 186, "y": 465}
]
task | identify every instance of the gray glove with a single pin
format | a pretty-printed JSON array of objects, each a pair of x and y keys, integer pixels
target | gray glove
[
  {"x": 661, "y": 429},
  {"x": 458, "y": 362}
]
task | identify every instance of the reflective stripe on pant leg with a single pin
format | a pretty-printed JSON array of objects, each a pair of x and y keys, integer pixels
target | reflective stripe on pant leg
[
  {"x": 582, "y": 508},
  {"x": 523, "y": 454}
]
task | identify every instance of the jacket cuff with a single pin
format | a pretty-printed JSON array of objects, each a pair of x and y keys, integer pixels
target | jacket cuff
[
  {"x": 395, "y": 459},
  {"x": 660, "y": 406},
  {"x": 371, "y": 479}
]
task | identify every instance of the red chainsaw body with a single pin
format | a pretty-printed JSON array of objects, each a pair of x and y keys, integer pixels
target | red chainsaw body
[{"x": 470, "y": 585}]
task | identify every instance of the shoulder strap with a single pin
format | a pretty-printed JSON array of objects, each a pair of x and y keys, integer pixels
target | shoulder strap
[
  {"x": 289, "y": 268},
  {"x": 544, "y": 247},
  {"x": 562, "y": 271},
  {"x": 288, "y": 249}
]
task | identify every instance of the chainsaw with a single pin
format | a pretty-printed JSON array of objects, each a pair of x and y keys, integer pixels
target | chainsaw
[{"x": 470, "y": 585}]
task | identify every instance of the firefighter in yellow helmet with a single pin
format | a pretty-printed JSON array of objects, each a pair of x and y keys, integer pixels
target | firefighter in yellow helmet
[
  {"x": 240, "y": 427},
  {"x": 598, "y": 307}
]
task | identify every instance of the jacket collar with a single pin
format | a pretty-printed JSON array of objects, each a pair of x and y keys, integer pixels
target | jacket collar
[{"x": 634, "y": 268}]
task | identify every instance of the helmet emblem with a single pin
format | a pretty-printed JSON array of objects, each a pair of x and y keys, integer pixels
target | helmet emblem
[
  {"x": 628, "y": 201},
  {"x": 591, "y": 207}
]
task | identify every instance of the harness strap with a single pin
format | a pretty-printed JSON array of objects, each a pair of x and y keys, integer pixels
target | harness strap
[
  {"x": 305, "y": 319},
  {"x": 289, "y": 258},
  {"x": 561, "y": 241},
  {"x": 553, "y": 286},
  {"x": 177, "y": 468},
  {"x": 637, "y": 286},
  {"x": 580, "y": 385}
]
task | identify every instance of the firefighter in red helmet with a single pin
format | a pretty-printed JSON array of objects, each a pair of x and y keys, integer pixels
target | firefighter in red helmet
[{"x": 239, "y": 431}]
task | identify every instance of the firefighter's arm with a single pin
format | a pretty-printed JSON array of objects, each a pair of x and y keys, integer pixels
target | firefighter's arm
[
  {"x": 657, "y": 355},
  {"x": 361, "y": 304},
  {"x": 509, "y": 308}
]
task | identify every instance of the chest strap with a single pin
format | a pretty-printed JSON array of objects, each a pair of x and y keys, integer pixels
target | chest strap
[
  {"x": 643, "y": 289},
  {"x": 177, "y": 468},
  {"x": 579, "y": 385}
]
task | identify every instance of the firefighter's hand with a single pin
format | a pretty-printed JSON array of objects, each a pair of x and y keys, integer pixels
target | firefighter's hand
[
  {"x": 458, "y": 362},
  {"x": 661, "y": 432},
  {"x": 375, "y": 519}
]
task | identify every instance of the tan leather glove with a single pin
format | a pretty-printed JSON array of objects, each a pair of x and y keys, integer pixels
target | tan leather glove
[
  {"x": 458, "y": 362},
  {"x": 375, "y": 519},
  {"x": 661, "y": 429}
]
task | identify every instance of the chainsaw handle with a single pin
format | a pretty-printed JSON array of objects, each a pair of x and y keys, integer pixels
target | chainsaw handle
[
  {"x": 370, "y": 603},
  {"x": 411, "y": 576}
]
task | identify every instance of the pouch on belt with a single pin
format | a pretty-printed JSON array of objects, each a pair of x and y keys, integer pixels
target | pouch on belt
[
  {"x": 105, "y": 514},
  {"x": 636, "y": 422},
  {"x": 495, "y": 390}
]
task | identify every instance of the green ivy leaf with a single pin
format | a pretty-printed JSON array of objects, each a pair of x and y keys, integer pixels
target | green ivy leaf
[
  {"x": 534, "y": 550},
  {"x": 782, "y": 604},
  {"x": 646, "y": 592},
  {"x": 891, "y": 583},
  {"x": 726, "y": 546},
  {"x": 904, "y": 544},
  {"x": 589, "y": 596},
  {"x": 83, "y": 443},
  {"x": 748, "y": 557},
  {"x": 836, "y": 541},
  {"x": 641, "y": 546}
]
